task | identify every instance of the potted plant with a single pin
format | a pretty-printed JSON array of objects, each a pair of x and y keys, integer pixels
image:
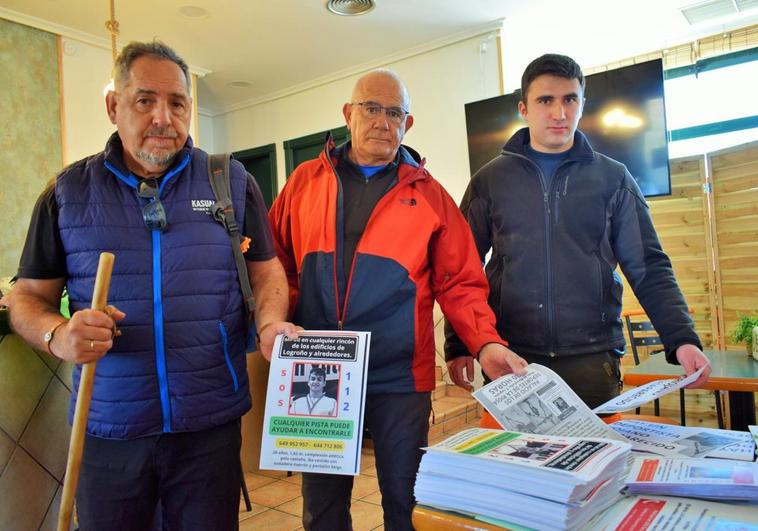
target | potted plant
[{"x": 743, "y": 331}]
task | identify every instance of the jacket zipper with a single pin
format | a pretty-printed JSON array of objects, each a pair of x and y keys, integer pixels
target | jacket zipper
[
  {"x": 548, "y": 236},
  {"x": 158, "y": 336},
  {"x": 343, "y": 311}
]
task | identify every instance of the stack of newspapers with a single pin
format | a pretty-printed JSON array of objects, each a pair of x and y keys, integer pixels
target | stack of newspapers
[
  {"x": 686, "y": 442},
  {"x": 716, "y": 479},
  {"x": 662, "y": 513},
  {"x": 540, "y": 481}
]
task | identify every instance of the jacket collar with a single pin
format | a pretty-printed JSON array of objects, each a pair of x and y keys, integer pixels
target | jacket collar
[
  {"x": 581, "y": 150},
  {"x": 410, "y": 163},
  {"x": 114, "y": 155}
]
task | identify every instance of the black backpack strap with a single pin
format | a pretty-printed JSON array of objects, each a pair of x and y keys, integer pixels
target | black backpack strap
[{"x": 223, "y": 212}]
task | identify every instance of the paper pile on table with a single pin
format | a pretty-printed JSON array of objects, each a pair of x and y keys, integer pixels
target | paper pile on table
[
  {"x": 664, "y": 513},
  {"x": 540, "y": 481},
  {"x": 714, "y": 479},
  {"x": 686, "y": 441}
]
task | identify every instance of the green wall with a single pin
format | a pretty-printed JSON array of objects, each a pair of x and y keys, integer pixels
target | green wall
[{"x": 30, "y": 134}]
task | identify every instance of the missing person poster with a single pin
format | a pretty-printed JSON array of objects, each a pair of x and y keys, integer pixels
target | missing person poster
[{"x": 315, "y": 402}]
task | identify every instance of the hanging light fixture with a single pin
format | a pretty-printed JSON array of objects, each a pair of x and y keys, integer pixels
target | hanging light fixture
[
  {"x": 350, "y": 7},
  {"x": 112, "y": 26}
]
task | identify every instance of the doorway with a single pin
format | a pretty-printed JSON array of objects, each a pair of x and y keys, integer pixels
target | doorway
[
  {"x": 260, "y": 162},
  {"x": 308, "y": 147}
]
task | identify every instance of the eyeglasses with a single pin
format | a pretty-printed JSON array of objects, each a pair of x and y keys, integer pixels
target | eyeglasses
[
  {"x": 371, "y": 110},
  {"x": 153, "y": 212}
]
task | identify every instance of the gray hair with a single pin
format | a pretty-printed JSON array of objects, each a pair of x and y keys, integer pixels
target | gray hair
[{"x": 155, "y": 49}]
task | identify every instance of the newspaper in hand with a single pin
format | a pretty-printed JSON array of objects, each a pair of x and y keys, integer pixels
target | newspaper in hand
[
  {"x": 717, "y": 479},
  {"x": 541, "y": 402},
  {"x": 686, "y": 441},
  {"x": 639, "y": 396}
]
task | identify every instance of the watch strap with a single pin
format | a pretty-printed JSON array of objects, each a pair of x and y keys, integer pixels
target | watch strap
[{"x": 50, "y": 334}]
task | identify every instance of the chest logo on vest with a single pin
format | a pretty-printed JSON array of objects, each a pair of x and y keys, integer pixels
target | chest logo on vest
[
  {"x": 202, "y": 205},
  {"x": 409, "y": 202}
]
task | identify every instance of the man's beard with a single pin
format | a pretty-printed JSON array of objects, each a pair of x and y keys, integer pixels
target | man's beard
[
  {"x": 159, "y": 160},
  {"x": 155, "y": 159}
]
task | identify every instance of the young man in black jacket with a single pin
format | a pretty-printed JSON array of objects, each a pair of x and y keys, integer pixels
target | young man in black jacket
[{"x": 559, "y": 217}]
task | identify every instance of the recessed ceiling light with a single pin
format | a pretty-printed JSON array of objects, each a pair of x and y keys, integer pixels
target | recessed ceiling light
[
  {"x": 350, "y": 7},
  {"x": 193, "y": 11},
  {"x": 240, "y": 84}
]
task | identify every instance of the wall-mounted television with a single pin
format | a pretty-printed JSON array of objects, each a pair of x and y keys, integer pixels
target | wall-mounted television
[{"x": 623, "y": 118}]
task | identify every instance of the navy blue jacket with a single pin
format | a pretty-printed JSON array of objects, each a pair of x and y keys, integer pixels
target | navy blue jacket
[
  {"x": 552, "y": 277},
  {"x": 180, "y": 364}
]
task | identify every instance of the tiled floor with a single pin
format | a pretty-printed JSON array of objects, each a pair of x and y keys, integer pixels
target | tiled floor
[{"x": 278, "y": 505}]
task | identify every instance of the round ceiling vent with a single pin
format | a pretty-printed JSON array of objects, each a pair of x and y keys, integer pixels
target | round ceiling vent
[{"x": 350, "y": 7}]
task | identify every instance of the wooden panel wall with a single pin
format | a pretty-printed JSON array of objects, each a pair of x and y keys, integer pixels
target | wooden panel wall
[
  {"x": 715, "y": 256},
  {"x": 680, "y": 220},
  {"x": 735, "y": 184}
]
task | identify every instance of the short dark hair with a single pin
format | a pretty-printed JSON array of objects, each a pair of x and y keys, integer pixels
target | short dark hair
[
  {"x": 317, "y": 371},
  {"x": 552, "y": 64},
  {"x": 156, "y": 49}
]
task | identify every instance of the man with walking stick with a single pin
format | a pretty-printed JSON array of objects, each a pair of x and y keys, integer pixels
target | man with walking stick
[{"x": 169, "y": 392}]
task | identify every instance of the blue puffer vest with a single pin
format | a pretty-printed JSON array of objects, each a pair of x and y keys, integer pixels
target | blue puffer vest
[{"x": 180, "y": 364}]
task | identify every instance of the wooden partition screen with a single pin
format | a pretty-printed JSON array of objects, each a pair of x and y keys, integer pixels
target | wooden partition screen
[
  {"x": 709, "y": 229},
  {"x": 734, "y": 174}
]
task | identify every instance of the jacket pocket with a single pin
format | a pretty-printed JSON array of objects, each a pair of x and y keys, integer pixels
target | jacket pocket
[
  {"x": 227, "y": 359},
  {"x": 600, "y": 279},
  {"x": 502, "y": 287}
]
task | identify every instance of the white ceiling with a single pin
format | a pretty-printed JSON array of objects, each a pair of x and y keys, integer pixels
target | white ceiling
[{"x": 280, "y": 46}]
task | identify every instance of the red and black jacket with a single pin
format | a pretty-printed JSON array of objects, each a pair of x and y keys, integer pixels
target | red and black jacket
[{"x": 416, "y": 248}]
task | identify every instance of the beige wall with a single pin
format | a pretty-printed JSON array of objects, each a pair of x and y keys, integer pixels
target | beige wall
[
  {"x": 205, "y": 132},
  {"x": 440, "y": 81},
  {"x": 86, "y": 72},
  {"x": 30, "y": 148}
]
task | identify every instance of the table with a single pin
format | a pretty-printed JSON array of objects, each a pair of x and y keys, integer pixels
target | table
[
  {"x": 431, "y": 519},
  {"x": 732, "y": 371}
]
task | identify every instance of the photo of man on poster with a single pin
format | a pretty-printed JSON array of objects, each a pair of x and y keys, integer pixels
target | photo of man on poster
[{"x": 315, "y": 401}]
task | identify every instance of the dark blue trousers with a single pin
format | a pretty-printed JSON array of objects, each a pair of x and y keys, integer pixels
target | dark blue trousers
[
  {"x": 399, "y": 428},
  {"x": 195, "y": 476}
]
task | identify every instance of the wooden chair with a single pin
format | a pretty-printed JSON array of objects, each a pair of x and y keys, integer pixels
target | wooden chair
[{"x": 642, "y": 334}]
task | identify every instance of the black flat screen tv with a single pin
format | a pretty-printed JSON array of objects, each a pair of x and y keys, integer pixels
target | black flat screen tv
[{"x": 623, "y": 118}]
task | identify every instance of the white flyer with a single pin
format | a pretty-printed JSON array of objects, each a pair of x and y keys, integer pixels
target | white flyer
[
  {"x": 315, "y": 402},
  {"x": 643, "y": 394}
]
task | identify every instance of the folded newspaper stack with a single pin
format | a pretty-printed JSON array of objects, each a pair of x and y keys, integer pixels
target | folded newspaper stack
[
  {"x": 716, "y": 479},
  {"x": 662, "y": 513},
  {"x": 686, "y": 441},
  {"x": 540, "y": 481}
]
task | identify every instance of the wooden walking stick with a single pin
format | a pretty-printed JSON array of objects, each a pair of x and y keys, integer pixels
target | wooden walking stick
[{"x": 86, "y": 380}]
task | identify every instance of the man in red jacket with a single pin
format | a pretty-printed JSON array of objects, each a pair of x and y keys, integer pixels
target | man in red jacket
[{"x": 369, "y": 240}]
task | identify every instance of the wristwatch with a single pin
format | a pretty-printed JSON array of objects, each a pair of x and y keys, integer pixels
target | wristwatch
[{"x": 48, "y": 337}]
